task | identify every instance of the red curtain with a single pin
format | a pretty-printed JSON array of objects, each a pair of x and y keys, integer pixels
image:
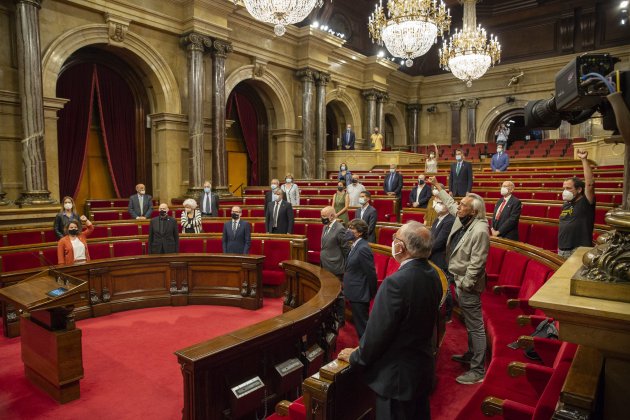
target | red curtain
[
  {"x": 249, "y": 126},
  {"x": 118, "y": 123},
  {"x": 77, "y": 85}
]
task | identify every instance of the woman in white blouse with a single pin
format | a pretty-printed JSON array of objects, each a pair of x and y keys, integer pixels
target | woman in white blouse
[
  {"x": 431, "y": 164},
  {"x": 72, "y": 248},
  {"x": 291, "y": 190},
  {"x": 191, "y": 217}
]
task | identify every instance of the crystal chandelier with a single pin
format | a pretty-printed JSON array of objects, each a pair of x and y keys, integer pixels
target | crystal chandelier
[
  {"x": 280, "y": 12},
  {"x": 470, "y": 54},
  {"x": 410, "y": 26}
]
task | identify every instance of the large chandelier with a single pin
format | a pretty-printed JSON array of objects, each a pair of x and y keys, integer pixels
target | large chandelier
[
  {"x": 410, "y": 27},
  {"x": 280, "y": 12},
  {"x": 470, "y": 54}
]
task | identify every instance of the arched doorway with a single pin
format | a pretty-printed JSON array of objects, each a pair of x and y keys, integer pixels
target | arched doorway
[
  {"x": 104, "y": 147},
  {"x": 514, "y": 121},
  {"x": 338, "y": 116}
]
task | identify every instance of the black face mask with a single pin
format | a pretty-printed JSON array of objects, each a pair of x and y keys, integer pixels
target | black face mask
[
  {"x": 339, "y": 188},
  {"x": 421, "y": 182},
  {"x": 465, "y": 220},
  {"x": 325, "y": 220},
  {"x": 235, "y": 216},
  {"x": 355, "y": 181},
  {"x": 163, "y": 213},
  {"x": 73, "y": 232}
]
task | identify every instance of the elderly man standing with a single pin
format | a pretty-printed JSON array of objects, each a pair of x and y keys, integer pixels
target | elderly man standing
[
  {"x": 393, "y": 183},
  {"x": 396, "y": 350},
  {"x": 467, "y": 252},
  {"x": 334, "y": 252},
  {"x": 163, "y": 233},
  {"x": 237, "y": 234},
  {"x": 354, "y": 189},
  {"x": 140, "y": 204},
  {"x": 507, "y": 214}
]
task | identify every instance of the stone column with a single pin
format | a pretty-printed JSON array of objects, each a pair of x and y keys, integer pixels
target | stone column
[
  {"x": 219, "y": 49},
  {"x": 196, "y": 176},
  {"x": 370, "y": 97},
  {"x": 456, "y": 133},
  {"x": 381, "y": 99},
  {"x": 320, "y": 115},
  {"x": 471, "y": 119},
  {"x": 414, "y": 133},
  {"x": 35, "y": 189},
  {"x": 307, "y": 76},
  {"x": 3, "y": 201}
]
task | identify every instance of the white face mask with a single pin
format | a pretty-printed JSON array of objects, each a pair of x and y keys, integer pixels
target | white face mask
[
  {"x": 504, "y": 191},
  {"x": 273, "y": 186},
  {"x": 394, "y": 253},
  {"x": 567, "y": 195},
  {"x": 67, "y": 206},
  {"x": 458, "y": 157},
  {"x": 436, "y": 191},
  {"x": 277, "y": 197},
  {"x": 289, "y": 180},
  {"x": 343, "y": 168},
  {"x": 499, "y": 150},
  {"x": 438, "y": 207},
  {"x": 392, "y": 170},
  {"x": 141, "y": 192},
  {"x": 362, "y": 201}
]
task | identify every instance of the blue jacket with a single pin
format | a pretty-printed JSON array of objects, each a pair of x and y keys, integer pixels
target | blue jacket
[{"x": 499, "y": 162}]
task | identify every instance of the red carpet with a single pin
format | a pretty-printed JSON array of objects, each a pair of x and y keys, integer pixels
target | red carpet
[{"x": 131, "y": 372}]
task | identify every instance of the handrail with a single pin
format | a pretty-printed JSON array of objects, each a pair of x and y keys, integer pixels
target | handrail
[{"x": 239, "y": 187}]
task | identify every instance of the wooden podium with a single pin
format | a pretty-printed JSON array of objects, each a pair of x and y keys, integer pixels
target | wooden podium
[{"x": 51, "y": 344}]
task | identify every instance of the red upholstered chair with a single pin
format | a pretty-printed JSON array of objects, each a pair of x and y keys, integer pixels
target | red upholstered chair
[
  {"x": 392, "y": 266},
  {"x": 286, "y": 410},
  {"x": 100, "y": 251},
  {"x": 299, "y": 228},
  {"x": 314, "y": 237},
  {"x": 50, "y": 236},
  {"x": 385, "y": 234},
  {"x": 215, "y": 246},
  {"x": 105, "y": 216},
  {"x": 406, "y": 216},
  {"x": 380, "y": 264},
  {"x": 544, "y": 236},
  {"x": 127, "y": 248},
  {"x": 275, "y": 251},
  {"x": 494, "y": 263},
  {"x": 523, "y": 231},
  {"x": 600, "y": 215},
  {"x": 127, "y": 229},
  {"x": 308, "y": 213},
  {"x": 536, "y": 274},
  {"x": 49, "y": 256},
  {"x": 554, "y": 211},
  {"x": 212, "y": 226},
  {"x": 534, "y": 210},
  {"x": 257, "y": 212},
  {"x": 512, "y": 269},
  {"x": 254, "y": 201},
  {"x": 100, "y": 231},
  {"x": 191, "y": 245},
  {"x": 256, "y": 247},
  {"x": 259, "y": 227},
  {"x": 546, "y": 195},
  {"x": 25, "y": 237},
  {"x": 145, "y": 228},
  {"x": 20, "y": 261}
]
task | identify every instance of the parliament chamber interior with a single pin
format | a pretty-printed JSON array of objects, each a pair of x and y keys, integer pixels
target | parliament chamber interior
[{"x": 140, "y": 140}]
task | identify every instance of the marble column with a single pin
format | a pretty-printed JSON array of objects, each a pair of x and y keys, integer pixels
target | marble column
[
  {"x": 35, "y": 189},
  {"x": 456, "y": 131},
  {"x": 381, "y": 99},
  {"x": 307, "y": 76},
  {"x": 370, "y": 97},
  {"x": 414, "y": 128},
  {"x": 220, "y": 49},
  {"x": 471, "y": 119},
  {"x": 3, "y": 201},
  {"x": 320, "y": 115},
  {"x": 194, "y": 44}
]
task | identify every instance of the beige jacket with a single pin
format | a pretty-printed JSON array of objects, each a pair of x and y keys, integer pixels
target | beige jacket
[{"x": 467, "y": 262}]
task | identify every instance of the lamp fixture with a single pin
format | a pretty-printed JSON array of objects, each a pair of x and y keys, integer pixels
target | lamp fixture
[
  {"x": 280, "y": 12},
  {"x": 469, "y": 54},
  {"x": 409, "y": 27}
]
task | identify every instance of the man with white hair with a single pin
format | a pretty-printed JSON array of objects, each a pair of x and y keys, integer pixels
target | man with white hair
[
  {"x": 396, "y": 350},
  {"x": 467, "y": 252},
  {"x": 507, "y": 214}
]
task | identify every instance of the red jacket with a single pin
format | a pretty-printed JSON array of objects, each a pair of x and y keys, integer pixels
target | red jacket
[{"x": 65, "y": 253}]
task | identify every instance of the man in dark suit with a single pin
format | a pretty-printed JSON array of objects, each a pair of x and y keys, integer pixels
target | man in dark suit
[
  {"x": 367, "y": 213},
  {"x": 334, "y": 247},
  {"x": 237, "y": 234},
  {"x": 420, "y": 194},
  {"x": 359, "y": 279},
  {"x": 396, "y": 351},
  {"x": 393, "y": 183},
  {"x": 275, "y": 184},
  {"x": 461, "y": 179},
  {"x": 348, "y": 138},
  {"x": 140, "y": 204},
  {"x": 163, "y": 233},
  {"x": 506, "y": 214},
  {"x": 208, "y": 201},
  {"x": 279, "y": 216},
  {"x": 440, "y": 230}
]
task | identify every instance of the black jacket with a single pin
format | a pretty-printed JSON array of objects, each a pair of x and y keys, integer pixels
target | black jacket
[
  {"x": 397, "y": 183},
  {"x": 359, "y": 279},
  {"x": 369, "y": 216},
  {"x": 425, "y": 196},
  {"x": 507, "y": 224},
  {"x": 237, "y": 242},
  {"x": 285, "y": 218},
  {"x": 440, "y": 233},
  {"x": 163, "y": 239},
  {"x": 460, "y": 184}
]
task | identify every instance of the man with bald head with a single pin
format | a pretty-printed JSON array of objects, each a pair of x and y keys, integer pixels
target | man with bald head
[
  {"x": 163, "y": 233},
  {"x": 396, "y": 350},
  {"x": 140, "y": 204},
  {"x": 507, "y": 214},
  {"x": 334, "y": 247},
  {"x": 237, "y": 234}
]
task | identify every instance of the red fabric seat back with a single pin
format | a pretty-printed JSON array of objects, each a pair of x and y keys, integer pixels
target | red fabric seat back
[
  {"x": 512, "y": 269},
  {"x": 523, "y": 231},
  {"x": 554, "y": 211},
  {"x": 257, "y": 212},
  {"x": 384, "y": 209},
  {"x": 259, "y": 227},
  {"x": 256, "y": 247},
  {"x": 215, "y": 246},
  {"x": 127, "y": 229},
  {"x": 299, "y": 228},
  {"x": 408, "y": 216},
  {"x": 544, "y": 236},
  {"x": 24, "y": 237},
  {"x": 535, "y": 276},
  {"x": 534, "y": 210},
  {"x": 212, "y": 226},
  {"x": 380, "y": 264},
  {"x": 102, "y": 216},
  {"x": 127, "y": 248},
  {"x": 600, "y": 216},
  {"x": 50, "y": 236},
  {"x": 100, "y": 231},
  {"x": 20, "y": 261},
  {"x": 191, "y": 245},
  {"x": 276, "y": 251},
  {"x": 49, "y": 256},
  {"x": 254, "y": 201},
  {"x": 145, "y": 228},
  {"x": 392, "y": 266},
  {"x": 99, "y": 251},
  {"x": 494, "y": 263},
  {"x": 314, "y": 236},
  {"x": 308, "y": 213},
  {"x": 385, "y": 235}
]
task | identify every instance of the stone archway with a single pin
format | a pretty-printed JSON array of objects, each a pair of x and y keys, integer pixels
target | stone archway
[
  {"x": 486, "y": 130},
  {"x": 348, "y": 107},
  {"x": 398, "y": 124}
]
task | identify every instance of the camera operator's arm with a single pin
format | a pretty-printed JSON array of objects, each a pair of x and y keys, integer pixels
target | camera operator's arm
[{"x": 589, "y": 187}]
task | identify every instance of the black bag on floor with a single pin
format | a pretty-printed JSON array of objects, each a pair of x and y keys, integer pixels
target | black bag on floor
[{"x": 546, "y": 329}]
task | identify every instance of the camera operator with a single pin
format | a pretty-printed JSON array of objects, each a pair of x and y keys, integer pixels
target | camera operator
[{"x": 578, "y": 211}]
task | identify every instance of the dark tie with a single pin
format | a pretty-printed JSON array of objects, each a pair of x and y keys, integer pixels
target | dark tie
[
  {"x": 207, "y": 203},
  {"x": 234, "y": 226},
  {"x": 459, "y": 166}
]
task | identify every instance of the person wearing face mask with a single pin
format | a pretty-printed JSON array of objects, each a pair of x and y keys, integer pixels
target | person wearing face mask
[
  {"x": 72, "y": 248},
  {"x": 500, "y": 160},
  {"x": 393, "y": 183},
  {"x": 376, "y": 140},
  {"x": 359, "y": 274},
  {"x": 66, "y": 215},
  {"x": 334, "y": 247},
  {"x": 430, "y": 215},
  {"x": 291, "y": 190},
  {"x": 163, "y": 233},
  {"x": 507, "y": 214},
  {"x": 237, "y": 234},
  {"x": 420, "y": 194},
  {"x": 191, "y": 217},
  {"x": 368, "y": 214},
  {"x": 467, "y": 250},
  {"x": 209, "y": 201},
  {"x": 461, "y": 179},
  {"x": 344, "y": 174},
  {"x": 275, "y": 184},
  {"x": 440, "y": 231},
  {"x": 354, "y": 190},
  {"x": 279, "y": 216},
  {"x": 140, "y": 204},
  {"x": 396, "y": 350},
  {"x": 431, "y": 164},
  {"x": 341, "y": 202},
  {"x": 577, "y": 217},
  {"x": 348, "y": 138}
]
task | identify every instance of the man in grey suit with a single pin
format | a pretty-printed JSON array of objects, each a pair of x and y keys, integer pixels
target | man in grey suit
[
  {"x": 367, "y": 213},
  {"x": 140, "y": 204},
  {"x": 208, "y": 201},
  {"x": 163, "y": 233},
  {"x": 279, "y": 216},
  {"x": 237, "y": 234},
  {"x": 333, "y": 252},
  {"x": 467, "y": 250}
]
